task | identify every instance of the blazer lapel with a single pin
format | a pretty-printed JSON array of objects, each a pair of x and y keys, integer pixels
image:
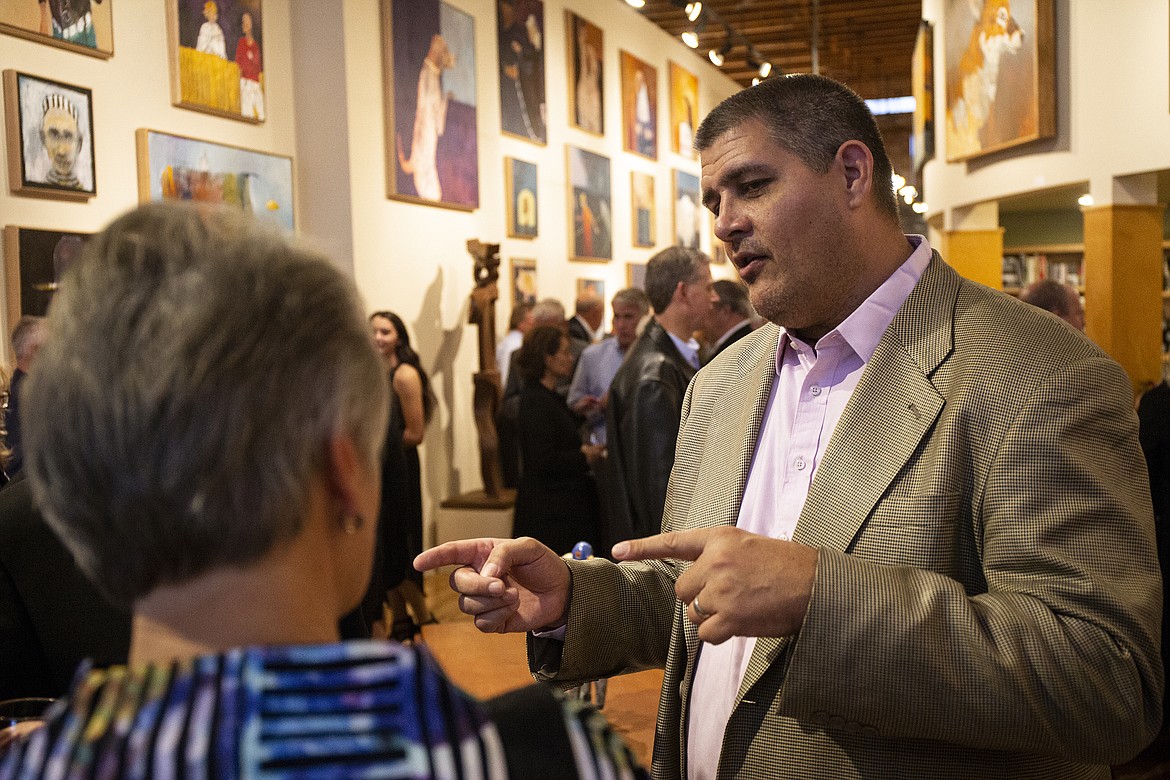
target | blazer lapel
[
  {"x": 731, "y": 435},
  {"x": 891, "y": 411}
]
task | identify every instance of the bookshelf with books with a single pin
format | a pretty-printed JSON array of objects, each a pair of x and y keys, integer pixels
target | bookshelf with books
[{"x": 1023, "y": 265}]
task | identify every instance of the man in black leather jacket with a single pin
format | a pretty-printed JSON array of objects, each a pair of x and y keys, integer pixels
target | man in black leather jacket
[{"x": 645, "y": 399}]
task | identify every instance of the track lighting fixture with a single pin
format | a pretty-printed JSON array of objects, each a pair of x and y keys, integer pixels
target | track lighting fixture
[
  {"x": 693, "y": 10},
  {"x": 636, "y": 3},
  {"x": 700, "y": 14}
]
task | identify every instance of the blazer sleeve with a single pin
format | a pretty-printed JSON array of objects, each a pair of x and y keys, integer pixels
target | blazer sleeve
[{"x": 1059, "y": 653}]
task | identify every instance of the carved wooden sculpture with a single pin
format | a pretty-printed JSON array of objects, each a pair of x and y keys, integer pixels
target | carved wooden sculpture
[{"x": 486, "y": 399}]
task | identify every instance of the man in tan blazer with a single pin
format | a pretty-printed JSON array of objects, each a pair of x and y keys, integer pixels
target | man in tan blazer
[{"x": 949, "y": 574}]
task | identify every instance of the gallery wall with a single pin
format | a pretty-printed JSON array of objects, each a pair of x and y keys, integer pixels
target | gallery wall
[
  {"x": 1112, "y": 93},
  {"x": 324, "y": 92},
  {"x": 411, "y": 258}
]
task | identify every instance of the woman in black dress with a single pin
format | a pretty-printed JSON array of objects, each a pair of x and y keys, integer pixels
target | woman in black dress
[
  {"x": 413, "y": 402},
  {"x": 556, "y": 501}
]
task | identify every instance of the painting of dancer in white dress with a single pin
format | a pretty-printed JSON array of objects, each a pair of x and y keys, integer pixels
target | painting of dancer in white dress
[{"x": 433, "y": 155}]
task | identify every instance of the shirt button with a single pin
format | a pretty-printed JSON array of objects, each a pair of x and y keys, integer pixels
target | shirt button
[
  {"x": 815, "y": 390},
  {"x": 800, "y": 463}
]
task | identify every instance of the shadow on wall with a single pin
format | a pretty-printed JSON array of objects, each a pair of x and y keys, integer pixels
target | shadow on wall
[{"x": 441, "y": 475}]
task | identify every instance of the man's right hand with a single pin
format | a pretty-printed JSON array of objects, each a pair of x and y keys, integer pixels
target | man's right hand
[{"x": 507, "y": 585}]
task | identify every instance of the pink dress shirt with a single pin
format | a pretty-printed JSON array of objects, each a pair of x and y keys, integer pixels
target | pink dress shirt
[{"x": 812, "y": 386}]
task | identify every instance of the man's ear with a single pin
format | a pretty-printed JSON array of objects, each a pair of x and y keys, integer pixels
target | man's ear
[{"x": 856, "y": 162}]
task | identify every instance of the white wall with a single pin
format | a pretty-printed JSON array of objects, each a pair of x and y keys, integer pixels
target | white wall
[
  {"x": 132, "y": 90},
  {"x": 1112, "y": 109}
]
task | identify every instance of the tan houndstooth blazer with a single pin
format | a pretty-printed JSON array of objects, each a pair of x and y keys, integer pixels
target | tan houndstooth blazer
[{"x": 987, "y": 603}]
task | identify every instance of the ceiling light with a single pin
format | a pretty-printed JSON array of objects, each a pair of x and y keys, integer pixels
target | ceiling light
[
  {"x": 919, "y": 208},
  {"x": 717, "y": 57},
  {"x": 690, "y": 38},
  {"x": 693, "y": 10},
  {"x": 755, "y": 81},
  {"x": 898, "y": 181},
  {"x": 636, "y": 3},
  {"x": 1085, "y": 200},
  {"x": 765, "y": 69}
]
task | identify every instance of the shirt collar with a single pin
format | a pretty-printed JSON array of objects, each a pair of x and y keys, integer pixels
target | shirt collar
[
  {"x": 863, "y": 328},
  {"x": 688, "y": 348}
]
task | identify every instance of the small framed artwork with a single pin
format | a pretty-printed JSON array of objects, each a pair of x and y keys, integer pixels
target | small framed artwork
[
  {"x": 173, "y": 167},
  {"x": 639, "y": 107},
  {"x": 428, "y": 60},
  {"x": 523, "y": 280},
  {"x": 1000, "y": 81},
  {"x": 688, "y": 210},
  {"x": 586, "y": 74},
  {"x": 34, "y": 262},
  {"x": 217, "y": 57},
  {"x": 78, "y": 25},
  {"x": 520, "y": 24},
  {"x": 590, "y": 206},
  {"x": 922, "y": 85},
  {"x": 520, "y": 184},
  {"x": 642, "y": 206},
  {"x": 684, "y": 110},
  {"x": 588, "y": 287},
  {"x": 50, "y": 138},
  {"x": 636, "y": 275}
]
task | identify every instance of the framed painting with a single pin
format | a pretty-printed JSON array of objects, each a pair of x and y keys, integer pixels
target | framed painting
[
  {"x": 50, "y": 138},
  {"x": 523, "y": 280},
  {"x": 520, "y": 183},
  {"x": 642, "y": 206},
  {"x": 586, "y": 48},
  {"x": 520, "y": 25},
  {"x": 217, "y": 57},
  {"x": 83, "y": 26},
  {"x": 588, "y": 287},
  {"x": 684, "y": 110},
  {"x": 173, "y": 167},
  {"x": 922, "y": 85},
  {"x": 428, "y": 58},
  {"x": 590, "y": 206},
  {"x": 639, "y": 107},
  {"x": 34, "y": 262},
  {"x": 999, "y": 75},
  {"x": 636, "y": 275},
  {"x": 688, "y": 210}
]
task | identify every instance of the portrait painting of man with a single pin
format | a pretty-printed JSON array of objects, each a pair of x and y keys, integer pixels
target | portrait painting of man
[{"x": 50, "y": 137}]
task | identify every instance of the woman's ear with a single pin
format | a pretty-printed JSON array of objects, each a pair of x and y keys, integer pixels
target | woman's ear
[{"x": 343, "y": 472}]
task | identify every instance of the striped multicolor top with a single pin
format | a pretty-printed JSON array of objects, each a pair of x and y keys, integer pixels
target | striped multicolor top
[{"x": 349, "y": 710}]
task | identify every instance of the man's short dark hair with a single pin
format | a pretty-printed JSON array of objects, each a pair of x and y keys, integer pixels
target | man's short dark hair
[
  {"x": 666, "y": 269},
  {"x": 1049, "y": 295},
  {"x": 519, "y": 312},
  {"x": 734, "y": 296},
  {"x": 811, "y": 117}
]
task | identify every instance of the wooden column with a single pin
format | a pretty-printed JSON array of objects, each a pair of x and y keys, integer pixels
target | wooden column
[
  {"x": 976, "y": 254},
  {"x": 1123, "y": 287}
]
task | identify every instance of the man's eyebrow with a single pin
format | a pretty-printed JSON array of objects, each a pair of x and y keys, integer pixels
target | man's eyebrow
[{"x": 734, "y": 175}]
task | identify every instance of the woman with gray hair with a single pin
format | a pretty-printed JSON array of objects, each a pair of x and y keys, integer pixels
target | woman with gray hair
[{"x": 203, "y": 432}]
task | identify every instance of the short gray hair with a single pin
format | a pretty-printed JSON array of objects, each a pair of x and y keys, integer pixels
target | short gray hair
[
  {"x": 669, "y": 267},
  {"x": 548, "y": 311},
  {"x": 27, "y": 335},
  {"x": 196, "y": 368},
  {"x": 632, "y": 296}
]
